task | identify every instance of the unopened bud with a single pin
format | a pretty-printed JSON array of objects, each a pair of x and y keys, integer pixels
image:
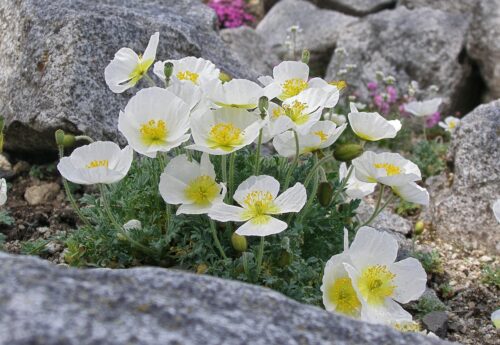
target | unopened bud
[
  {"x": 121, "y": 236},
  {"x": 347, "y": 152},
  {"x": 285, "y": 259},
  {"x": 325, "y": 193},
  {"x": 224, "y": 77},
  {"x": 239, "y": 242},
  {"x": 379, "y": 75},
  {"x": 201, "y": 268},
  {"x": 419, "y": 227},
  {"x": 389, "y": 80},
  {"x": 168, "y": 69},
  {"x": 306, "y": 55},
  {"x": 69, "y": 140},
  {"x": 59, "y": 137},
  {"x": 263, "y": 105}
]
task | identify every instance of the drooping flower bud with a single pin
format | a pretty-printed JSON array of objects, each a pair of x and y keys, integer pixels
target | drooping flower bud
[
  {"x": 239, "y": 242},
  {"x": 347, "y": 152},
  {"x": 419, "y": 227},
  {"x": 325, "y": 193},
  {"x": 306, "y": 55},
  {"x": 69, "y": 140},
  {"x": 59, "y": 137}
]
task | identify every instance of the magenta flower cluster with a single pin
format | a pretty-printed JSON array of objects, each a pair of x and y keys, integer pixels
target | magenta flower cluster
[
  {"x": 383, "y": 98},
  {"x": 231, "y": 13}
]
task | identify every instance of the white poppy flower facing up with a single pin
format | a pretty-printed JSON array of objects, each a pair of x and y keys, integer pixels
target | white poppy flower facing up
[
  {"x": 127, "y": 68},
  {"x": 338, "y": 293},
  {"x": 154, "y": 120},
  {"x": 379, "y": 281},
  {"x": 390, "y": 169},
  {"x": 189, "y": 93},
  {"x": 191, "y": 184},
  {"x": 424, "y": 108},
  {"x": 321, "y": 135},
  {"x": 372, "y": 126},
  {"x": 188, "y": 69},
  {"x": 99, "y": 162},
  {"x": 259, "y": 202},
  {"x": 355, "y": 189},
  {"x": 496, "y": 209},
  {"x": 332, "y": 91},
  {"x": 225, "y": 130},
  {"x": 412, "y": 192},
  {"x": 289, "y": 79},
  {"x": 450, "y": 124},
  {"x": 3, "y": 191},
  {"x": 237, "y": 93}
]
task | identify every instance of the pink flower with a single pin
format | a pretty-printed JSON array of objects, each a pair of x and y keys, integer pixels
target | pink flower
[
  {"x": 433, "y": 120},
  {"x": 372, "y": 86},
  {"x": 231, "y": 13}
]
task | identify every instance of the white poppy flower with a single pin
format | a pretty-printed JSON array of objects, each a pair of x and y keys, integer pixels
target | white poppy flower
[
  {"x": 496, "y": 209},
  {"x": 132, "y": 224},
  {"x": 191, "y": 69},
  {"x": 338, "y": 119},
  {"x": 449, "y": 124},
  {"x": 387, "y": 168},
  {"x": 372, "y": 126},
  {"x": 237, "y": 93},
  {"x": 154, "y": 120},
  {"x": 289, "y": 79},
  {"x": 225, "y": 130},
  {"x": 99, "y": 162},
  {"x": 425, "y": 108},
  {"x": 379, "y": 281},
  {"x": 355, "y": 189},
  {"x": 189, "y": 93},
  {"x": 259, "y": 200},
  {"x": 191, "y": 184},
  {"x": 332, "y": 91},
  {"x": 3, "y": 191},
  {"x": 412, "y": 192},
  {"x": 495, "y": 318},
  {"x": 338, "y": 293},
  {"x": 321, "y": 135},
  {"x": 127, "y": 68}
]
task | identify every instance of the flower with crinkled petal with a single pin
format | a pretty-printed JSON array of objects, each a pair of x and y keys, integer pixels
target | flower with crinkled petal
[
  {"x": 154, "y": 120},
  {"x": 189, "y": 69},
  {"x": 237, "y": 93},
  {"x": 390, "y": 169},
  {"x": 98, "y": 162},
  {"x": 424, "y": 108},
  {"x": 372, "y": 126},
  {"x": 127, "y": 68},
  {"x": 259, "y": 202},
  {"x": 191, "y": 184},
  {"x": 355, "y": 189},
  {"x": 450, "y": 124}
]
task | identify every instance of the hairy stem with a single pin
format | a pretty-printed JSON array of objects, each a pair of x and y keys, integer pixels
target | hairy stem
[
  {"x": 294, "y": 164},
  {"x": 216, "y": 239}
]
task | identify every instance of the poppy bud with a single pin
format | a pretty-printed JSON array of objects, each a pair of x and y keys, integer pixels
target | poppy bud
[
  {"x": 168, "y": 69},
  {"x": 224, "y": 77},
  {"x": 347, "y": 152},
  {"x": 263, "y": 106},
  {"x": 419, "y": 227},
  {"x": 285, "y": 259},
  {"x": 306, "y": 55},
  {"x": 325, "y": 193},
  {"x": 239, "y": 242},
  {"x": 59, "y": 137},
  {"x": 69, "y": 140}
]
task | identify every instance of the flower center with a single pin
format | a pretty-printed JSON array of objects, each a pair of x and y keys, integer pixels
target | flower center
[
  {"x": 322, "y": 135},
  {"x": 342, "y": 294},
  {"x": 376, "y": 284},
  {"x": 259, "y": 205},
  {"x": 295, "y": 112},
  {"x": 292, "y": 87},
  {"x": 98, "y": 164},
  {"x": 187, "y": 75},
  {"x": 225, "y": 136},
  {"x": 452, "y": 124},
  {"x": 202, "y": 190},
  {"x": 407, "y": 326},
  {"x": 339, "y": 84},
  {"x": 390, "y": 169},
  {"x": 140, "y": 69},
  {"x": 154, "y": 132}
]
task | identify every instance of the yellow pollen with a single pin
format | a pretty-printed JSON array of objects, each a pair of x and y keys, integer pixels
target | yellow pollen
[
  {"x": 390, "y": 169},
  {"x": 376, "y": 283},
  {"x": 292, "y": 87},
  {"x": 187, "y": 75},
  {"x": 202, "y": 190},
  {"x": 295, "y": 112},
  {"x": 341, "y": 293},
  {"x": 259, "y": 205},
  {"x": 409, "y": 326},
  {"x": 339, "y": 84},
  {"x": 98, "y": 164},
  {"x": 452, "y": 124},
  {"x": 225, "y": 136},
  {"x": 277, "y": 112},
  {"x": 140, "y": 69},
  {"x": 154, "y": 132},
  {"x": 322, "y": 135}
]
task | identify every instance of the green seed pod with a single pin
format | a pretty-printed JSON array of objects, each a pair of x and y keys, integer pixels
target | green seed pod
[
  {"x": 347, "y": 152},
  {"x": 306, "y": 55},
  {"x": 69, "y": 140},
  {"x": 325, "y": 193},
  {"x": 168, "y": 69},
  {"x": 239, "y": 242},
  {"x": 59, "y": 137},
  {"x": 419, "y": 227}
]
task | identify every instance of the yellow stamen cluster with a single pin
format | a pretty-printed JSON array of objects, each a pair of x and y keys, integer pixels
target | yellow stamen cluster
[
  {"x": 339, "y": 84},
  {"x": 322, "y": 135},
  {"x": 376, "y": 283},
  {"x": 341, "y": 293},
  {"x": 187, "y": 75},
  {"x": 225, "y": 136},
  {"x": 277, "y": 112},
  {"x": 295, "y": 112},
  {"x": 154, "y": 132},
  {"x": 292, "y": 87},
  {"x": 98, "y": 164},
  {"x": 259, "y": 205},
  {"x": 452, "y": 124},
  {"x": 390, "y": 169},
  {"x": 202, "y": 190},
  {"x": 410, "y": 326},
  {"x": 140, "y": 69}
]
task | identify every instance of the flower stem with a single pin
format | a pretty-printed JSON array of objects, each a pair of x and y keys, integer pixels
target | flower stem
[
  {"x": 150, "y": 81},
  {"x": 84, "y": 137},
  {"x": 378, "y": 207},
  {"x": 424, "y": 128},
  {"x": 230, "y": 187},
  {"x": 343, "y": 184},
  {"x": 312, "y": 195},
  {"x": 294, "y": 164},
  {"x": 216, "y": 239},
  {"x": 257, "y": 154},
  {"x": 315, "y": 167},
  {"x": 260, "y": 255}
]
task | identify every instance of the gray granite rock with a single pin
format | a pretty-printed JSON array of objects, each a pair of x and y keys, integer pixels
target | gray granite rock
[
  {"x": 54, "y": 53},
  {"x": 483, "y": 44},
  {"x": 462, "y": 212},
  {"x": 251, "y": 49},
  {"x": 385, "y": 220},
  {"x": 423, "y": 44},
  {"x": 320, "y": 30},
  {"x": 461, "y": 6},
  {"x": 356, "y": 7},
  {"x": 436, "y": 322},
  {"x": 50, "y": 305}
]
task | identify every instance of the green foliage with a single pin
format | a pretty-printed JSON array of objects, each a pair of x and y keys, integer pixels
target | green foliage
[
  {"x": 429, "y": 156},
  {"x": 2, "y": 240},
  {"x": 36, "y": 247},
  {"x": 431, "y": 261},
  {"x": 405, "y": 208},
  {"x": 42, "y": 172},
  {"x": 491, "y": 275},
  {"x": 427, "y": 304},
  {"x": 6, "y": 218},
  {"x": 293, "y": 260}
]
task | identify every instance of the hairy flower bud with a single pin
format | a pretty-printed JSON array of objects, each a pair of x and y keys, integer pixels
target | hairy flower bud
[
  {"x": 306, "y": 55},
  {"x": 347, "y": 152},
  {"x": 419, "y": 227},
  {"x": 69, "y": 140},
  {"x": 239, "y": 242},
  {"x": 168, "y": 69},
  {"x": 59, "y": 137},
  {"x": 325, "y": 193},
  {"x": 263, "y": 106}
]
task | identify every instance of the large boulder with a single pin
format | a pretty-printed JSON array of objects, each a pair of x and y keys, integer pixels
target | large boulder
[
  {"x": 54, "y": 53},
  {"x": 461, "y": 212},
  {"x": 425, "y": 45},
  {"x": 356, "y": 7},
  {"x": 49, "y": 305},
  {"x": 461, "y": 6},
  {"x": 320, "y": 30}
]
